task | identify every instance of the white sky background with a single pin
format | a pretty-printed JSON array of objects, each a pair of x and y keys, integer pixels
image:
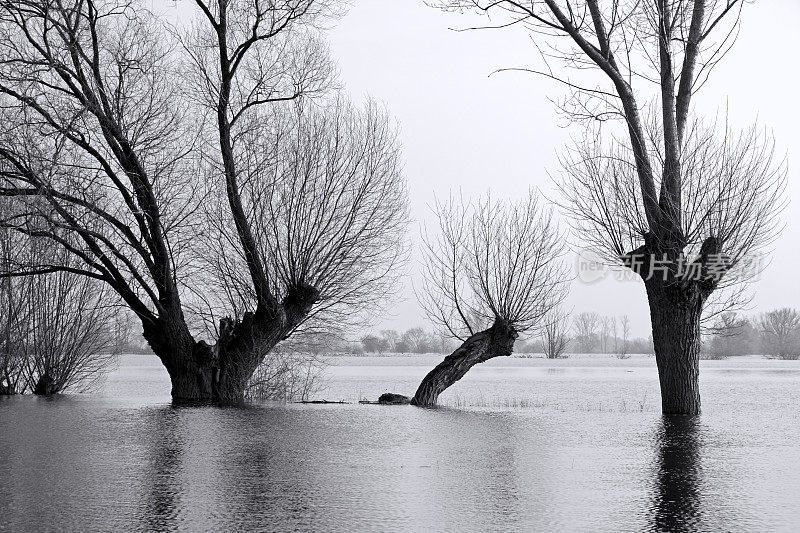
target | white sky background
[{"x": 462, "y": 129}]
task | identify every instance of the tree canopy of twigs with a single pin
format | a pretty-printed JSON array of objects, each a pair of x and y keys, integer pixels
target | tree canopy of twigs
[
  {"x": 147, "y": 150},
  {"x": 95, "y": 141},
  {"x": 623, "y": 40},
  {"x": 780, "y": 331},
  {"x": 55, "y": 326},
  {"x": 732, "y": 189},
  {"x": 676, "y": 179},
  {"x": 492, "y": 260},
  {"x": 492, "y": 272},
  {"x": 555, "y": 333},
  {"x": 679, "y": 202},
  {"x": 327, "y": 206}
]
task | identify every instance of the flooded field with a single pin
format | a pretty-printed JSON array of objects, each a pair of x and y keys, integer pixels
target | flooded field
[{"x": 521, "y": 444}]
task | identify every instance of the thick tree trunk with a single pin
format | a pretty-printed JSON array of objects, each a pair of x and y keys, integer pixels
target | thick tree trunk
[
  {"x": 194, "y": 377},
  {"x": 219, "y": 374},
  {"x": 201, "y": 373},
  {"x": 45, "y": 385},
  {"x": 675, "y": 312},
  {"x": 493, "y": 342},
  {"x": 207, "y": 374}
]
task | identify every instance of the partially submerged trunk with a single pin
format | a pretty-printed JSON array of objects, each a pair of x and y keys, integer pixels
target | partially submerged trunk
[
  {"x": 201, "y": 373},
  {"x": 675, "y": 312},
  {"x": 496, "y": 341},
  {"x": 8, "y": 385},
  {"x": 45, "y": 385},
  {"x": 676, "y": 292}
]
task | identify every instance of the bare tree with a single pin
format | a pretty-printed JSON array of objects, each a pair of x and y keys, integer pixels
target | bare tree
[
  {"x": 69, "y": 345},
  {"x": 623, "y": 347},
  {"x": 326, "y": 207},
  {"x": 104, "y": 134},
  {"x": 14, "y": 312},
  {"x": 780, "y": 333},
  {"x": 492, "y": 272},
  {"x": 680, "y": 203},
  {"x": 374, "y": 344},
  {"x": 614, "y": 333},
  {"x": 414, "y": 339},
  {"x": 56, "y": 325},
  {"x": 731, "y": 334},
  {"x": 392, "y": 337},
  {"x": 555, "y": 334},
  {"x": 586, "y": 325},
  {"x": 606, "y": 328}
]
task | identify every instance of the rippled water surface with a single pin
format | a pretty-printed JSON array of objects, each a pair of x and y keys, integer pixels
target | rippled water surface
[{"x": 573, "y": 445}]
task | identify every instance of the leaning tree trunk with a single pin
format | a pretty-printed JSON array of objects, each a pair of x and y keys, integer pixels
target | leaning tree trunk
[
  {"x": 675, "y": 311},
  {"x": 496, "y": 341}
]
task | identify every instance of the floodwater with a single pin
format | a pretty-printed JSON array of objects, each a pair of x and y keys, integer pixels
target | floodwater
[{"x": 526, "y": 445}]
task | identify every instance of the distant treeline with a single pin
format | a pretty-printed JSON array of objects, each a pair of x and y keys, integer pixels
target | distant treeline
[
  {"x": 414, "y": 340},
  {"x": 419, "y": 341},
  {"x": 775, "y": 334}
]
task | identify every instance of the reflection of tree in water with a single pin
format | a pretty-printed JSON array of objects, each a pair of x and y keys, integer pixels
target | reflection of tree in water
[
  {"x": 163, "y": 471},
  {"x": 676, "y": 502},
  {"x": 254, "y": 477},
  {"x": 187, "y": 482},
  {"x": 498, "y": 501}
]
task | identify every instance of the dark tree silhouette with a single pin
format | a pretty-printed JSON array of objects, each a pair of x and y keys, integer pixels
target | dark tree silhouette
[
  {"x": 680, "y": 203},
  {"x": 731, "y": 198},
  {"x": 105, "y": 138}
]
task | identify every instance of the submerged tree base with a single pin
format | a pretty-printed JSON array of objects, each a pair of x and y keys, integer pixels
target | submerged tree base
[
  {"x": 45, "y": 386},
  {"x": 389, "y": 398},
  {"x": 675, "y": 314},
  {"x": 496, "y": 341}
]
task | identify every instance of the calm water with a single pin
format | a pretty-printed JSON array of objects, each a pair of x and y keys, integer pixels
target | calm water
[{"x": 574, "y": 445}]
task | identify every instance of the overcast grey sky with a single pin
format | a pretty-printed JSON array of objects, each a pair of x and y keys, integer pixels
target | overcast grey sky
[{"x": 462, "y": 128}]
